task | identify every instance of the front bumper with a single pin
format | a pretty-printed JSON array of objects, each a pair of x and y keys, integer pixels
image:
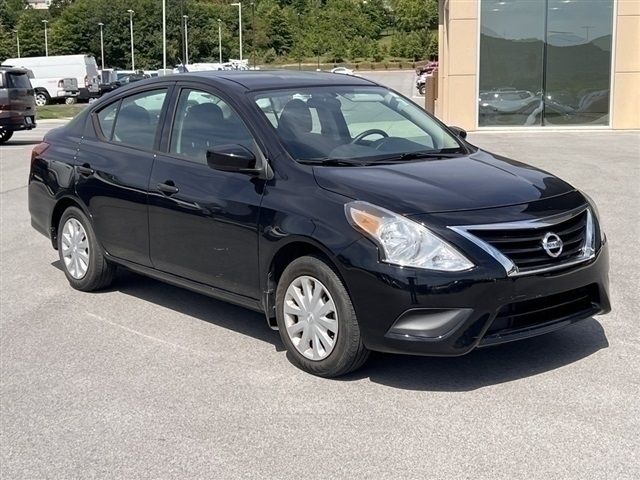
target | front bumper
[{"x": 407, "y": 310}]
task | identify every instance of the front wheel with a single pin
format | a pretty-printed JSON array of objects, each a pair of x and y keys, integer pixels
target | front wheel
[
  {"x": 42, "y": 98},
  {"x": 5, "y": 135},
  {"x": 316, "y": 319},
  {"x": 82, "y": 257}
]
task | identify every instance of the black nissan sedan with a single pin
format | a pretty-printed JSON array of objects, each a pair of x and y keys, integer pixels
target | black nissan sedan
[{"x": 351, "y": 218}]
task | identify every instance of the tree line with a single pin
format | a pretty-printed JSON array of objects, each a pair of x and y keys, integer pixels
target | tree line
[{"x": 273, "y": 30}]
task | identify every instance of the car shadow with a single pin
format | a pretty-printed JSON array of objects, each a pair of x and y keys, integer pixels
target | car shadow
[
  {"x": 486, "y": 366},
  {"x": 17, "y": 143},
  {"x": 193, "y": 304},
  {"x": 480, "y": 368}
]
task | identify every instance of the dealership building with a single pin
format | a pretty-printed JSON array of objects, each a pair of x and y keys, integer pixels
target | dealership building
[{"x": 539, "y": 64}]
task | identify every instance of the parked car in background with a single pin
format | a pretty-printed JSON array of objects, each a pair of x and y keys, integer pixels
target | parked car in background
[
  {"x": 52, "y": 90},
  {"x": 17, "y": 102},
  {"x": 342, "y": 70},
  {"x": 508, "y": 100},
  {"x": 346, "y": 214},
  {"x": 421, "y": 83},
  {"x": 422, "y": 73},
  {"x": 51, "y": 74}
]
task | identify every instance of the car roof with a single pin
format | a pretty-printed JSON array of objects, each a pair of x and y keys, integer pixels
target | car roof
[
  {"x": 269, "y": 79},
  {"x": 9, "y": 68}
]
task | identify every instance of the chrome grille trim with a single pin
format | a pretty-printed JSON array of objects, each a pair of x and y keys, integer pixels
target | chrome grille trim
[{"x": 587, "y": 250}]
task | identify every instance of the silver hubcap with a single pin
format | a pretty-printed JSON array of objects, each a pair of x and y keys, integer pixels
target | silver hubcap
[
  {"x": 311, "y": 318},
  {"x": 75, "y": 248},
  {"x": 41, "y": 100}
]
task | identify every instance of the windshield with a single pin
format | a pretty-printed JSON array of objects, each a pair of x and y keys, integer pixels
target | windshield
[{"x": 353, "y": 123}]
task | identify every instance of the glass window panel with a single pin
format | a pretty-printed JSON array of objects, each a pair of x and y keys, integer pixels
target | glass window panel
[
  {"x": 138, "y": 119},
  {"x": 204, "y": 121},
  {"x": 578, "y": 62},
  {"x": 511, "y": 62}
]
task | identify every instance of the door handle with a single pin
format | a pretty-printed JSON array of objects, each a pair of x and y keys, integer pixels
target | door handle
[
  {"x": 168, "y": 187},
  {"x": 85, "y": 170}
]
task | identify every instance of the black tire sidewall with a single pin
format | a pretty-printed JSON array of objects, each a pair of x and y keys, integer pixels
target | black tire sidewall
[
  {"x": 348, "y": 337},
  {"x": 5, "y": 135},
  {"x": 96, "y": 257}
]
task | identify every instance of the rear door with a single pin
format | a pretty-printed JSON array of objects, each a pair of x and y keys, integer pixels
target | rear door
[{"x": 114, "y": 169}]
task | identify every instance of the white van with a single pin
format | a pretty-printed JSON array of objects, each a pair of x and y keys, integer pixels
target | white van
[{"x": 50, "y": 71}]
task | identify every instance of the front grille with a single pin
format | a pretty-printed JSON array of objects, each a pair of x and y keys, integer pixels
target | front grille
[
  {"x": 532, "y": 313},
  {"x": 523, "y": 246}
]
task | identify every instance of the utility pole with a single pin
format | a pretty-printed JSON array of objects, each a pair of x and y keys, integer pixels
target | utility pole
[
  {"x": 164, "y": 35},
  {"x": 186, "y": 40},
  {"x": 17, "y": 41},
  {"x": 253, "y": 34},
  {"x": 133, "y": 61},
  {"x": 46, "y": 40},
  {"x": 101, "y": 45},
  {"x": 220, "y": 41},
  {"x": 239, "y": 5}
]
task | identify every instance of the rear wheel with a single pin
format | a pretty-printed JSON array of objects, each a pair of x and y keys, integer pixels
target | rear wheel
[
  {"x": 42, "y": 98},
  {"x": 316, "y": 319},
  {"x": 83, "y": 259},
  {"x": 70, "y": 100},
  {"x": 422, "y": 89},
  {"x": 5, "y": 135}
]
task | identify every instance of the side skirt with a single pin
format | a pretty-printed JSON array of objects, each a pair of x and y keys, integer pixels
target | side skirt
[{"x": 207, "y": 290}]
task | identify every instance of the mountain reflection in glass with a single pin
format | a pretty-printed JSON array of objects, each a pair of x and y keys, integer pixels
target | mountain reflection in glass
[{"x": 545, "y": 62}]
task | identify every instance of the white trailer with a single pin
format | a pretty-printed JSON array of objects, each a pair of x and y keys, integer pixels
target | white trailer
[{"x": 50, "y": 74}]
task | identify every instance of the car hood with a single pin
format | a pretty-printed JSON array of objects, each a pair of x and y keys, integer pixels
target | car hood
[{"x": 476, "y": 181}]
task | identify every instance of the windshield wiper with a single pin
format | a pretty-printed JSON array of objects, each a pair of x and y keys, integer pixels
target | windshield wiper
[
  {"x": 417, "y": 156},
  {"x": 334, "y": 162}
]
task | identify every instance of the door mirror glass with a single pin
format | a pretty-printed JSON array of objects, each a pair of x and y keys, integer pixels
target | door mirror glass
[
  {"x": 232, "y": 158},
  {"x": 460, "y": 132}
]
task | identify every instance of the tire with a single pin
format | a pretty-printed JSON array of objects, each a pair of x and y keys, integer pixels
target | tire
[
  {"x": 347, "y": 352},
  {"x": 70, "y": 100},
  {"x": 422, "y": 89},
  {"x": 42, "y": 98},
  {"x": 5, "y": 135},
  {"x": 99, "y": 273}
]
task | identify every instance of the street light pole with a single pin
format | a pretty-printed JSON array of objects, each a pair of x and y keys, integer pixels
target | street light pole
[
  {"x": 220, "y": 41},
  {"x": 133, "y": 61},
  {"x": 186, "y": 40},
  {"x": 164, "y": 35},
  {"x": 46, "y": 40},
  {"x": 299, "y": 42},
  {"x": 253, "y": 34},
  {"x": 239, "y": 5},
  {"x": 17, "y": 41},
  {"x": 101, "y": 45}
]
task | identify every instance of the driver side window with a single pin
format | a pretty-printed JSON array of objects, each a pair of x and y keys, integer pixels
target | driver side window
[{"x": 203, "y": 121}]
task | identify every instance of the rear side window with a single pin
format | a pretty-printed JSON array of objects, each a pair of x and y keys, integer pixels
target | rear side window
[
  {"x": 106, "y": 119},
  {"x": 138, "y": 118}
]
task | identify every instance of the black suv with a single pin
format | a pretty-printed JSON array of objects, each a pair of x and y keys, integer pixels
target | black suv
[
  {"x": 17, "y": 102},
  {"x": 350, "y": 217}
]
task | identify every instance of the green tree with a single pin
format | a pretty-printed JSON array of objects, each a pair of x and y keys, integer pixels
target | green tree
[{"x": 413, "y": 15}]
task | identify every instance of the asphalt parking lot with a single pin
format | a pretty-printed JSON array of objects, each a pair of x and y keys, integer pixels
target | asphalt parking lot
[{"x": 146, "y": 380}]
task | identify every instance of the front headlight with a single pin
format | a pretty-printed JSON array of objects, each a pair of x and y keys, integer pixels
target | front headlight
[
  {"x": 596, "y": 214},
  {"x": 404, "y": 242}
]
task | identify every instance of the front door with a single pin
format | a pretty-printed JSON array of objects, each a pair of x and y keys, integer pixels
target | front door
[{"x": 203, "y": 222}]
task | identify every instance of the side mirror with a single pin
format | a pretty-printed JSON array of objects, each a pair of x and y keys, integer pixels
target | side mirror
[
  {"x": 460, "y": 132},
  {"x": 232, "y": 158}
]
